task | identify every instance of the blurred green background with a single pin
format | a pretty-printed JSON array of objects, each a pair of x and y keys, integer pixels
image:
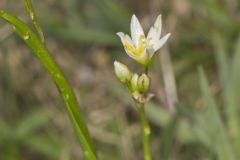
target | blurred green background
[{"x": 81, "y": 35}]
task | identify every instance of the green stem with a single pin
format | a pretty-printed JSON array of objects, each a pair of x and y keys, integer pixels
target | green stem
[
  {"x": 145, "y": 131},
  {"x": 63, "y": 85}
]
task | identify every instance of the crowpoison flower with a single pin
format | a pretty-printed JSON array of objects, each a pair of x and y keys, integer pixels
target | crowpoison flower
[{"x": 140, "y": 47}]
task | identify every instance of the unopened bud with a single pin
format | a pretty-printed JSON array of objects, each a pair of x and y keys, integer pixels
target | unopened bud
[
  {"x": 143, "y": 83},
  {"x": 134, "y": 82},
  {"x": 122, "y": 72}
]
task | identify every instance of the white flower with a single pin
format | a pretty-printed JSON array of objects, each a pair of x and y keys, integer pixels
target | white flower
[{"x": 140, "y": 47}]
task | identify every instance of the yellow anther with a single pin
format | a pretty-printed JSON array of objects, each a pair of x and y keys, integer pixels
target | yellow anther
[
  {"x": 129, "y": 46},
  {"x": 142, "y": 37}
]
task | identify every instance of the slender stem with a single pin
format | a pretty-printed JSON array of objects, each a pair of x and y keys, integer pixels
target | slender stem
[{"x": 145, "y": 131}]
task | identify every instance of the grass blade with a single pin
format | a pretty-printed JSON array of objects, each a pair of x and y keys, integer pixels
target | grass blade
[
  {"x": 30, "y": 9},
  {"x": 219, "y": 138},
  {"x": 230, "y": 79},
  {"x": 65, "y": 90}
]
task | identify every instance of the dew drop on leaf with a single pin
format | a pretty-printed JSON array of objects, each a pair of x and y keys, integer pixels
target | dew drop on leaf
[
  {"x": 62, "y": 89},
  {"x": 32, "y": 16},
  {"x": 26, "y": 36},
  {"x": 14, "y": 28},
  {"x": 67, "y": 96},
  {"x": 86, "y": 153}
]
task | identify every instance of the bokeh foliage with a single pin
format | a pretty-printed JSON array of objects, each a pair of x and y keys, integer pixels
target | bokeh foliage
[{"x": 81, "y": 35}]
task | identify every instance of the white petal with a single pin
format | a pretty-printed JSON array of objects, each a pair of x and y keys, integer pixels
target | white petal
[
  {"x": 144, "y": 57},
  {"x": 121, "y": 35},
  {"x": 155, "y": 30},
  {"x": 130, "y": 54},
  {"x": 150, "y": 52},
  {"x": 125, "y": 38},
  {"x": 152, "y": 32},
  {"x": 161, "y": 42},
  {"x": 158, "y": 25},
  {"x": 136, "y": 30}
]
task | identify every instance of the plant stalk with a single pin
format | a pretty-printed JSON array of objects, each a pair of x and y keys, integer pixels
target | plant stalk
[{"x": 145, "y": 131}]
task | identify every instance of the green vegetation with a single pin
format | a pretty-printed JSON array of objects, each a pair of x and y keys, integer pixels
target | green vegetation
[{"x": 81, "y": 35}]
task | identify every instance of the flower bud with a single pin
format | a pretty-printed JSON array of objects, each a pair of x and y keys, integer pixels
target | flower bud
[
  {"x": 143, "y": 83},
  {"x": 122, "y": 72},
  {"x": 134, "y": 82}
]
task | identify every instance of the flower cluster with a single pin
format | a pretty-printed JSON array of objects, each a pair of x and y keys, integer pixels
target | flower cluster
[
  {"x": 135, "y": 83},
  {"x": 141, "y": 48}
]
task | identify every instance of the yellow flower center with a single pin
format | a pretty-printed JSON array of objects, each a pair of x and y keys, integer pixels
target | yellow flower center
[
  {"x": 129, "y": 46},
  {"x": 142, "y": 45}
]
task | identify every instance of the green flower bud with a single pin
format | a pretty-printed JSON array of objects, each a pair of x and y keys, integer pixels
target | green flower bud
[
  {"x": 143, "y": 83},
  {"x": 122, "y": 72},
  {"x": 134, "y": 82}
]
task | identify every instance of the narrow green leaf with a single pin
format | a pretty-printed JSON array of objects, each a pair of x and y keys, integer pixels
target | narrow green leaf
[
  {"x": 63, "y": 85},
  {"x": 43, "y": 144},
  {"x": 230, "y": 80},
  {"x": 32, "y": 121},
  {"x": 33, "y": 17},
  {"x": 167, "y": 141},
  {"x": 219, "y": 138},
  {"x": 222, "y": 59},
  {"x": 233, "y": 97},
  {"x": 236, "y": 58}
]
